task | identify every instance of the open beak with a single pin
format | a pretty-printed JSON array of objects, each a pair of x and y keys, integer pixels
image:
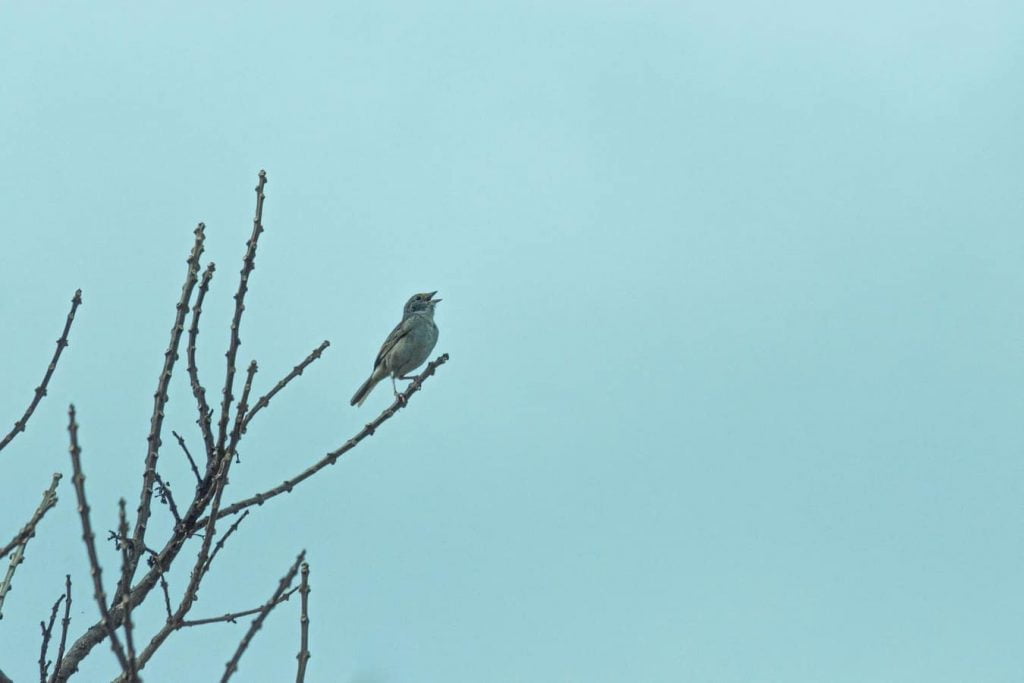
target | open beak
[{"x": 432, "y": 299}]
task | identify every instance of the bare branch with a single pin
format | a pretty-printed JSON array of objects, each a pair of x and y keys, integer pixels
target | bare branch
[
  {"x": 167, "y": 597},
  {"x": 248, "y": 264},
  {"x": 126, "y": 542},
  {"x": 201, "y": 564},
  {"x": 223, "y": 540},
  {"x": 159, "y": 563},
  {"x": 159, "y": 399},
  {"x": 191, "y": 462},
  {"x": 205, "y": 412},
  {"x": 19, "y": 426},
  {"x": 29, "y": 530},
  {"x": 90, "y": 541},
  {"x": 64, "y": 624},
  {"x": 47, "y": 629},
  {"x": 332, "y": 457},
  {"x": 205, "y": 509},
  {"x": 163, "y": 492},
  {"x": 232, "y": 617},
  {"x": 129, "y": 638},
  {"x": 20, "y": 541},
  {"x": 242, "y": 408},
  {"x": 96, "y": 633},
  {"x": 303, "y": 655},
  {"x": 257, "y": 623},
  {"x": 209, "y": 490},
  {"x": 264, "y": 400},
  {"x": 5, "y": 586}
]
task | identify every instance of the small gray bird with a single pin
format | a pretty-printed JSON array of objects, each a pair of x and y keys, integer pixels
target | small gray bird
[{"x": 406, "y": 347}]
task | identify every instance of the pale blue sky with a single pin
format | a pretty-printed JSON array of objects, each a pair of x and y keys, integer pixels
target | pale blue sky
[{"x": 732, "y": 297}]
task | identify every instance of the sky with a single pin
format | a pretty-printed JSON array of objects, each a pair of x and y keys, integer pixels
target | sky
[{"x": 732, "y": 295}]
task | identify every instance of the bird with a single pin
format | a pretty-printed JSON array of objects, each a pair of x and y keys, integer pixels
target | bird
[{"x": 406, "y": 347}]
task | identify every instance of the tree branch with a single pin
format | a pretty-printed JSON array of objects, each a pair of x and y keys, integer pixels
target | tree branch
[
  {"x": 232, "y": 617},
  {"x": 159, "y": 399},
  {"x": 191, "y": 462},
  {"x": 191, "y": 520},
  {"x": 163, "y": 491},
  {"x": 21, "y": 540},
  {"x": 205, "y": 509},
  {"x": 248, "y": 265},
  {"x": 47, "y": 629},
  {"x": 303, "y": 655},
  {"x": 29, "y": 530},
  {"x": 264, "y": 400},
  {"x": 209, "y": 488},
  {"x": 332, "y": 457},
  {"x": 19, "y": 426},
  {"x": 64, "y": 624},
  {"x": 205, "y": 412},
  {"x": 201, "y": 565},
  {"x": 90, "y": 541},
  {"x": 257, "y": 623},
  {"x": 167, "y": 597},
  {"x": 223, "y": 540},
  {"x": 129, "y": 638},
  {"x": 241, "y": 409}
]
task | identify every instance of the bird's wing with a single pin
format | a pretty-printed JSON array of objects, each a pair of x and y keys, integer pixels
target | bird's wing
[{"x": 401, "y": 329}]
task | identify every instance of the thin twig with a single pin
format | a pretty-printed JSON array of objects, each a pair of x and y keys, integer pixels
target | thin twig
[
  {"x": 126, "y": 542},
  {"x": 257, "y": 623},
  {"x": 232, "y": 617},
  {"x": 163, "y": 491},
  {"x": 242, "y": 408},
  {"x": 90, "y": 541},
  {"x": 19, "y": 426},
  {"x": 223, "y": 539},
  {"x": 202, "y": 565},
  {"x": 29, "y": 530},
  {"x": 248, "y": 265},
  {"x": 159, "y": 400},
  {"x": 332, "y": 457},
  {"x": 20, "y": 541},
  {"x": 47, "y": 628},
  {"x": 64, "y": 624},
  {"x": 198, "y": 570},
  {"x": 191, "y": 462},
  {"x": 205, "y": 412},
  {"x": 304, "y": 654},
  {"x": 167, "y": 597},
  {"x": 264, "y": 400},
  {"x": 129, "y": 637}
]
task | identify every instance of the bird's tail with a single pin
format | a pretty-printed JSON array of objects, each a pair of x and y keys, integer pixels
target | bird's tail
[{"x": 364, "y": 391}]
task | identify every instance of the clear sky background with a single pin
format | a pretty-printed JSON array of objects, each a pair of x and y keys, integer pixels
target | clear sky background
[{"x": 732, "y": 293}]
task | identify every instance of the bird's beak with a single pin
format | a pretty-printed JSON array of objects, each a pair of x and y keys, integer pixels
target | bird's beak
[{"x": 432, "y": 299}]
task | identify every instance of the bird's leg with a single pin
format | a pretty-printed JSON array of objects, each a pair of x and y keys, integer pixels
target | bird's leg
[
  {"x": 398, "y": 396},
  {"x": 411, "y": 379}
]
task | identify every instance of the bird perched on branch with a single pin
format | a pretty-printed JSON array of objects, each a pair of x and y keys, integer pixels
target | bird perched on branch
[{"x": 406, "y": 347}]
